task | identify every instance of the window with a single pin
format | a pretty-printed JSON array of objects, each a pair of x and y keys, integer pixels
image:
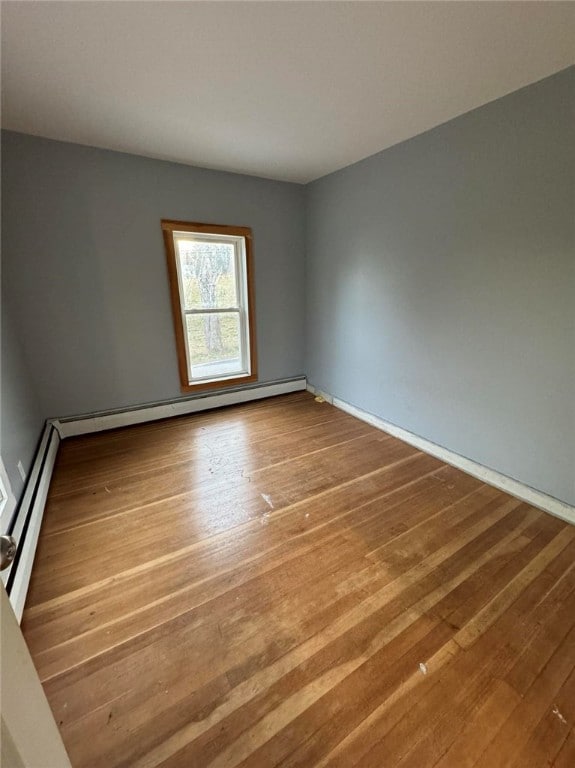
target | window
[{"x": 210, "y": 271}]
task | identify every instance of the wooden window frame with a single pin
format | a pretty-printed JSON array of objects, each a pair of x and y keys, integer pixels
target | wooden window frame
[{"x": 169, "y": 227}]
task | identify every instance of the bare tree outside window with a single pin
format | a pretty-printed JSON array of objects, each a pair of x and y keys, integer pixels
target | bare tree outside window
[{"x": 208, "y": 283}]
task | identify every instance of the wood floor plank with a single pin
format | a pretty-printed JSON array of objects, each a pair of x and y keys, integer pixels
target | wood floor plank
[
  {"x": 288, "y": 534},
  {"x": 498, "y": 651},
  {"x": 344, "y": 625},
  {"x": 301, "y": 478},
  {"x": 566, "y": 756},
  {"x": 538, "y": 703},
  {"x": 279, "y": 584},
  {"x": 480, "y": 729},
  {"x": 504, "y": 548},
  {"x": 142, "y": 442},
  {"x": 220, "y": 453},
  {"x": 548, "y": 738}
]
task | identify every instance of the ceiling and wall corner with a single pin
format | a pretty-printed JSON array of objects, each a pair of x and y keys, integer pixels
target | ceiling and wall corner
[{"x": 284, "y": 90}]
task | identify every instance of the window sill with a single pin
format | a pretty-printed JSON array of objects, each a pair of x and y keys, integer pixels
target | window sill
[{"x": 232, "y": 381}]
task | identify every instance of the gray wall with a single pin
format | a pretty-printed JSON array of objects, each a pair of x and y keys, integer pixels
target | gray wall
[
  {"x": 441, "y": 285},
  {"x": 83, "y": 259},
  {"x": 20, "y": 415}
]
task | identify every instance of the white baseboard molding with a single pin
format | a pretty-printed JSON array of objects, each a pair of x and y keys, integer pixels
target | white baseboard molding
[
  {"x": 85, "y": 425},
  {"x": 25, "y": 526},
  {"x": 490, "y": 476}
]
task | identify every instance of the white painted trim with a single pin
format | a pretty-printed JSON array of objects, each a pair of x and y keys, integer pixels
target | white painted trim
[
  {"x": 490, "y": 476},
  {"x": 35, "y": 494},
  {"x": 98, "y": 423},
  {"x": 8, "y": 503},
  {"x": 30, "y": 736}
]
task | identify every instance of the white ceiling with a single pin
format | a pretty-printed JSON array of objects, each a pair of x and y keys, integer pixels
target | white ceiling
[{"x": 286, "y": 90}]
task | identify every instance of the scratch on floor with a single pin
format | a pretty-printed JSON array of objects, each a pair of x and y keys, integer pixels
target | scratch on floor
[
  {"x": 423, "y": 668},
  {"x": 559, "y": 715},
  {"x": 268, "y": 500}
]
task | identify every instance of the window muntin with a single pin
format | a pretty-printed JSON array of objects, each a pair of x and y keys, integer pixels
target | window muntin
[{"x": 213, "y": 313}]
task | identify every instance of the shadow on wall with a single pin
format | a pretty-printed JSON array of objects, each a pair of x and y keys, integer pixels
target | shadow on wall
[
  {"x": 21, "y": 417},
  {"x": 65, "y": 279}
]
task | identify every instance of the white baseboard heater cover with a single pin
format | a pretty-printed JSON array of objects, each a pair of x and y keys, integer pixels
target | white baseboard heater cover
[{"x": 26, "y": 519}]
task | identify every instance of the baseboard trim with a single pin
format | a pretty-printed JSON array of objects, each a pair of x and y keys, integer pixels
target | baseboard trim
[
  {"x": 490, "y": 476},
  {"x": 25, "y": 525},
  {"x": 89, "y": 423}
]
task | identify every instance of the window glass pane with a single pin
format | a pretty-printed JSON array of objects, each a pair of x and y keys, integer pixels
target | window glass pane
[
  {"x": 214, "y": 344},
  {"x": 208, "y": 276}
]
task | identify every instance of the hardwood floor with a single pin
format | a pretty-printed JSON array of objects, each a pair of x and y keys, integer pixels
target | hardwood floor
[{"x": 279, "y": 584}]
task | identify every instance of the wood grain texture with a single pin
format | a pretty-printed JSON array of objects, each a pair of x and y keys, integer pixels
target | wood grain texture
[{"x": 259, "y": 585}]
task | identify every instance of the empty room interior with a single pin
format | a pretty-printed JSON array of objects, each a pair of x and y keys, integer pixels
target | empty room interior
[{"x": 287, "y": 468}]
